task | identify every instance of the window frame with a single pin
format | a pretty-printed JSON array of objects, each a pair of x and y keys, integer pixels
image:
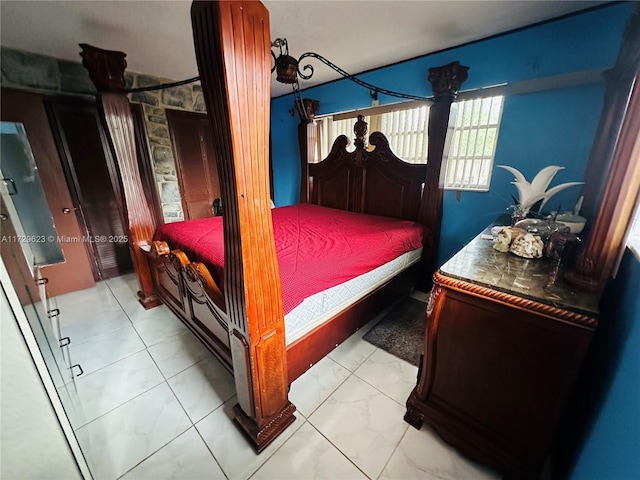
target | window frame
[
  {"x": 490, "y": 158},
  {"x": 375, "y": 124}
]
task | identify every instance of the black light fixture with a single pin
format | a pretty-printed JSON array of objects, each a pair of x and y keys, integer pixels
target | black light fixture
[
  {"x": 288, "y": 70},
  {"x": 285, "y": 65}
]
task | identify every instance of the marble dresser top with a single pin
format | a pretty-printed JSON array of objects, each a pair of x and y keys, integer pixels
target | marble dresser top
[{"x": 480, "y": 264}]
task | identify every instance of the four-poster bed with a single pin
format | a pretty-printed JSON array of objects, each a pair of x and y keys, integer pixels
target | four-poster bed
[{"x": 238, "y": 310}]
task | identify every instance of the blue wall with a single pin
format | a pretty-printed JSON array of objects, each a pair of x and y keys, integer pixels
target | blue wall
[
  {"x": 538, "y": 129},
  {"x": 600, "y": 438}
]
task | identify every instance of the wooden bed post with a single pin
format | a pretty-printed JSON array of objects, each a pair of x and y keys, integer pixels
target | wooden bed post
[
  {"x": 233, "y": 51},
  {"x": 307, "y": 112},
  {"x": 445, "y": 82},
  {"x": 610, "y": 198},
  {"x": 106, "y": 70}
]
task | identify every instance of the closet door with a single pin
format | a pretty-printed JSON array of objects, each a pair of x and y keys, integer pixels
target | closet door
[
  {"x": 94, "y": 182},
  {"x": 195, "y": 162},
  {"x": 72, "y": 271}
]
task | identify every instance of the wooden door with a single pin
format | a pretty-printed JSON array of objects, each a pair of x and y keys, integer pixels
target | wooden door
[
  {"x": 75, "y": 272},
  {"x": 195, "y": 162},
  {"x": 94, "y": 183}
]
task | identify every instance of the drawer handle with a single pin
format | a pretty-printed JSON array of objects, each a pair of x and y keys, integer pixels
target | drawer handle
[
  {"x": 79, "y": 368},
  {"x": 54, "y": 313},
  {"x": 9, "y": 181},
  {"x": 64, "y": 342}
]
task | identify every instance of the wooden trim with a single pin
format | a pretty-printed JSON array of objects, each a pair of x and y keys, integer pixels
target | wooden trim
[
  {"x": 117, "y": 114},
  {"x": 446, "y": 82},
  {"x": 515, "y": 301},
  {"x": 106, "y": 70}
]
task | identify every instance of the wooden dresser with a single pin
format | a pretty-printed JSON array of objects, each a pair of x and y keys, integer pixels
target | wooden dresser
[{"x": 503, "y": 346}]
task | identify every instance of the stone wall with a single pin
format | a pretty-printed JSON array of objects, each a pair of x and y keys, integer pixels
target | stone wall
[
  {"x": 186, "y": 97},
  {"x": 42, "y": 74}
]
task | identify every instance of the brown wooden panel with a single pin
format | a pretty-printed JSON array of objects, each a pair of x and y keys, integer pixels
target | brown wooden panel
[
  {"x": 496, "y": 373},
  {"x": 75, "y": 273},
  {"x": 386, "y": 195},
  {"x": 484, "y": 353},
  {"x": 333, "y": 190},
  {"x": 191, "y": 174},
  {"x": 91, "y": 171},
  {"x": 195, "y": 162}
]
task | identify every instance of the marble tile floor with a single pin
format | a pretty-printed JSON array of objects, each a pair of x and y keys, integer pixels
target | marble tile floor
[{"x": 153, "y": 403}]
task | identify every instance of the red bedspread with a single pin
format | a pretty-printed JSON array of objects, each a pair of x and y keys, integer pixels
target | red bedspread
[{"x": 317, "y": 247}]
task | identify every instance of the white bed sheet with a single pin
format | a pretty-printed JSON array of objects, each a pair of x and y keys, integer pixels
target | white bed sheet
[{"x": 318, "y": 308}]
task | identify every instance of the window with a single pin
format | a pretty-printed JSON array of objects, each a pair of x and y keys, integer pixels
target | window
[
  {"x": 473, "y": 144},
  {"x": 633, "y": 237},
  {"x": 472, "y": 140}
]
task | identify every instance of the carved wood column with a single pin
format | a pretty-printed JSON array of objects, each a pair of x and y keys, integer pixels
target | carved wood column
[
  {"x": 234, "y": 59},
  {"x": 106, "y": 70},
  {"x": 611, "y": 198},
  {"x": 445, "y": 82},
  {"x": 307, "y": 112}
]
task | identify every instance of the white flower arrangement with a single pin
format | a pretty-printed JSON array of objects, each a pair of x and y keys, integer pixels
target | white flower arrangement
[{"x": 531, "y": 193}]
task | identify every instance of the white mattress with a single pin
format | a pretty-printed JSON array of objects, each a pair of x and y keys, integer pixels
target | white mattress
[{"x": 316, "y": 309}]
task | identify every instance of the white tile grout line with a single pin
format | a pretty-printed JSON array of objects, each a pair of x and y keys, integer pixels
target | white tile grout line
[
  {"x": 305, "y": 419},
  {"x": 207, "y": 445}
]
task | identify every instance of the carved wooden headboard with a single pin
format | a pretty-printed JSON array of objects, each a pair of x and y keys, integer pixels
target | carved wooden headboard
[
  {"x": 379, "y": 182},
  {"x": 375, "y": 182}
]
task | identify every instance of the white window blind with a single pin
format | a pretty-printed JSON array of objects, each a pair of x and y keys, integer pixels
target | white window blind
[
  {"x": 407, "y": 133},
  {"x": 329, "y": 130},
  {"x": 472, "y": 144}
]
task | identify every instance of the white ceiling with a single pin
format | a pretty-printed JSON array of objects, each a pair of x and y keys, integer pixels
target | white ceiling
[{"x": 355, "y": 35}]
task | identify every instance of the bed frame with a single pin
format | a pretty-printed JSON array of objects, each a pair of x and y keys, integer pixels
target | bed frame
[
  {"x": 244, "y": 326},
  {"x": 345, "y": 180}
]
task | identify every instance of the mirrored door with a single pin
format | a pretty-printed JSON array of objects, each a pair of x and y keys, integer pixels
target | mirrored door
[
  {"x": 24, "y": 197},
  {"x": 29, "y": 243}
]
